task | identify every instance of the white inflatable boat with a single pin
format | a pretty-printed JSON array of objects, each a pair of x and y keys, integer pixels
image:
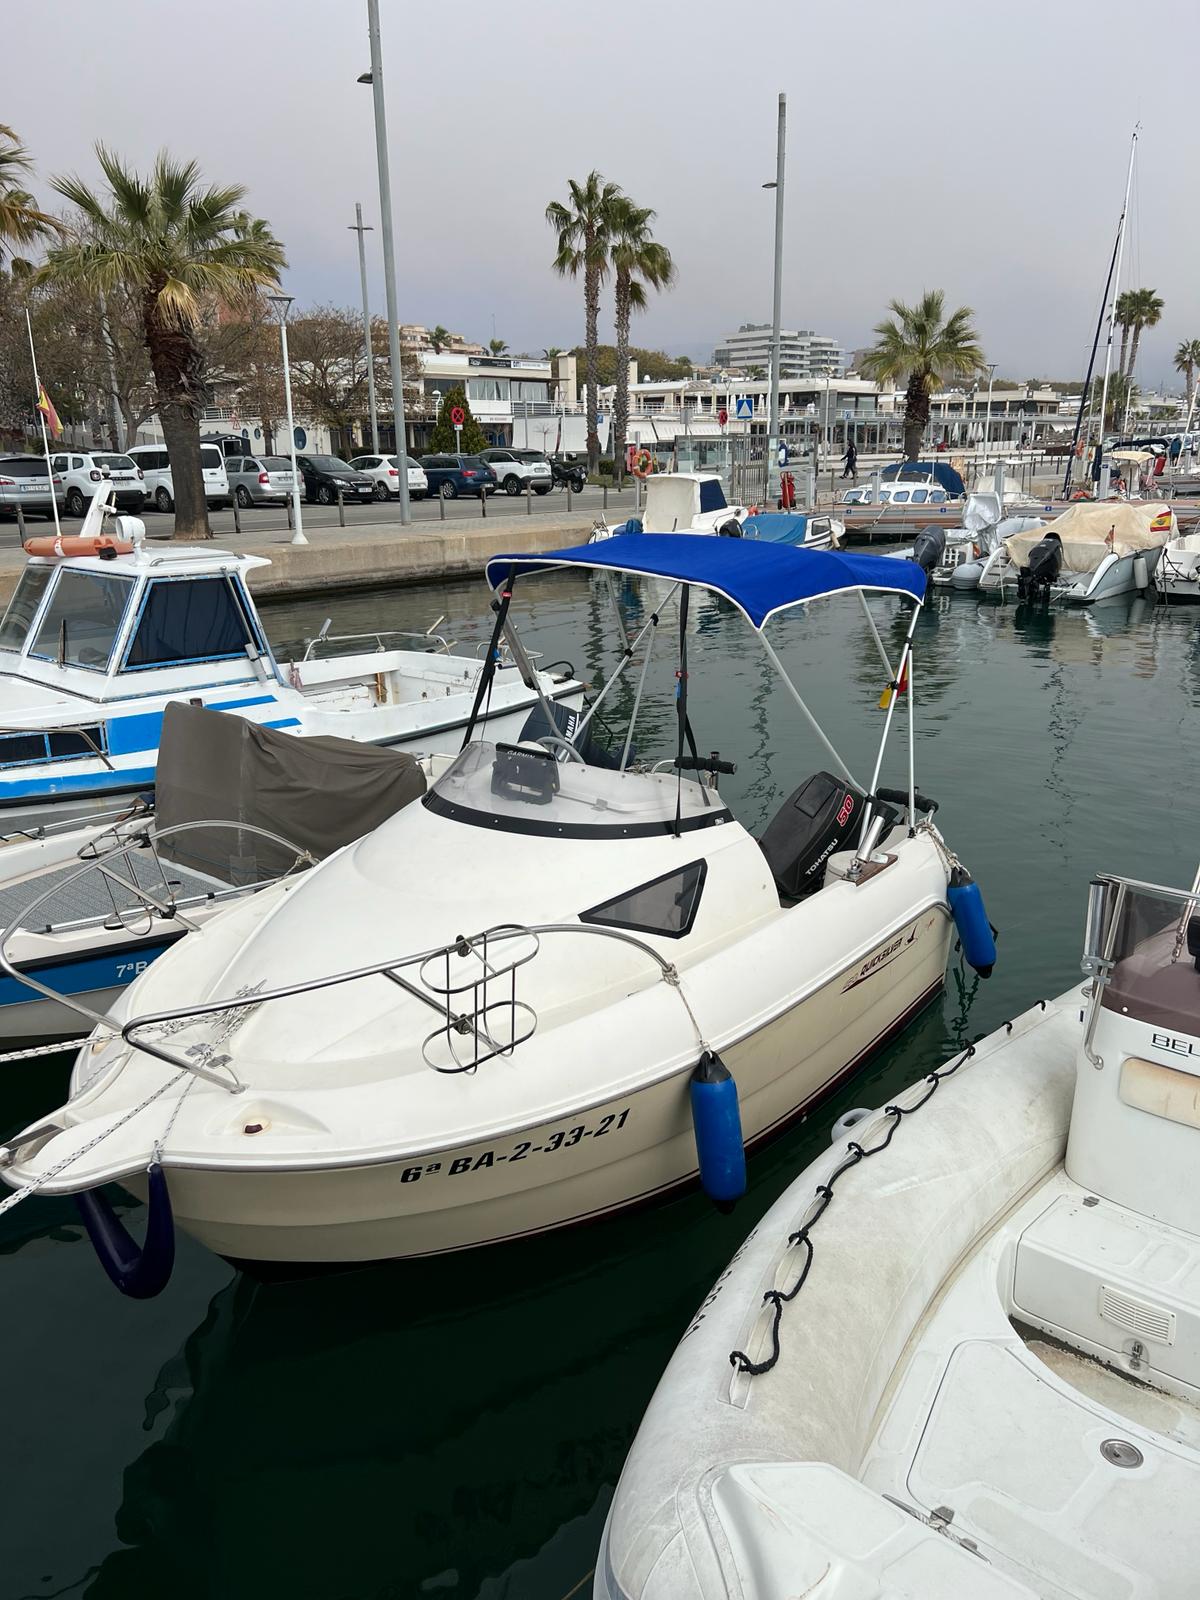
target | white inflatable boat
[{"x": 959, "y": 1359}]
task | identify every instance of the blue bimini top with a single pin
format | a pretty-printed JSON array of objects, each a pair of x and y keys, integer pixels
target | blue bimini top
[{"x": 759, "y": 578}]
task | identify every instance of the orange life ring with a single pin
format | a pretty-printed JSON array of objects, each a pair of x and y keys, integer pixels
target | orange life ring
[
  {"x": 1079, "y": 449},
  {"x": 643, "y": 464},
  {"x": 74, "y": 544}
]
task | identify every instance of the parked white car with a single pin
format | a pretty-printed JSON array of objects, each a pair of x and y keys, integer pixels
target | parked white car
[
  {"x": 155, "y": 466},
  {"x": 82, "y": 470},
  {"x": 515, "y": 469},
  {"x": 385, "y": 473}
]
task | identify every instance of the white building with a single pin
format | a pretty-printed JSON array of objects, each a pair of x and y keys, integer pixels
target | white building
[{"x": 802, "y": 353}]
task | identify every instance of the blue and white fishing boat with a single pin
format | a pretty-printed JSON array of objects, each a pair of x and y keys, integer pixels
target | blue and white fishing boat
[{"x": 94, "y": 646}]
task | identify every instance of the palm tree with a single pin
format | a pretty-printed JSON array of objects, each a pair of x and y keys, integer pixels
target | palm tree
[
  {"x": 497, "y": 346},
  {"x": 177, "y": 249},
  {"x": 551, "y": 353},
  {"x": 20, "y": 220},
  {"x": 582, "y": 227},
  {"x": 639, "y": 263},
  {"x": 1187, "y": 357},
  {"x": 1146, "y": 309},
  {"x": 1123, "y": 313},
  {"x": 924, "y": 347},
  {"x": 439, "y": 339}
]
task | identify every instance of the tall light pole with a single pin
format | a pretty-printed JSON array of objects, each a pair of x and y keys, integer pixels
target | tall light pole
[
  {"x": 360, "y": 228},
  {"x": 987, "y": 421},
  {"x": 773, "y": 414},
  {"x": 375, "y": 79},
  {"x": 282, "y": 302}
]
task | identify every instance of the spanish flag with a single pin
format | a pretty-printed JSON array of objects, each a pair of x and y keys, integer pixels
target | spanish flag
[
  {"x": 900, "y": 686},
  {"x": 1161, "y": 523},
  {"x": 45, "y": 406}
]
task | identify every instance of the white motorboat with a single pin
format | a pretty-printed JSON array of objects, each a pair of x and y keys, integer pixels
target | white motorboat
[
  {"x": 1096, "y": 550},
  {"x": 85, "y": 907},
  {"x": 984, "y": 529},
  {"x": 1177, "y": 578},
  {"x": 680, "y": 502},
  {"x": 960, "y": 1356},
  {"x": 506, "y": 1010},
  {"x": 93, "y": 647}
]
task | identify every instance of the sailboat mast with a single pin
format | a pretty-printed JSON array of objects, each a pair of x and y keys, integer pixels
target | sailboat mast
[{"x": 1112, "y": 314}]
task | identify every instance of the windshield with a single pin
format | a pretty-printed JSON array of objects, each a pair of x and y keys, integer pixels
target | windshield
[
  {"x": 523, "y": 789},
  {"x": 1154, "y": 975},
  {"x": 82, "y": 619},
  {"x": 22, "y": 607}
]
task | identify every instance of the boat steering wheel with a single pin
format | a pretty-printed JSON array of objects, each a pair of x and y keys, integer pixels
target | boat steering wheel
[{"x": 549, "y": 739}]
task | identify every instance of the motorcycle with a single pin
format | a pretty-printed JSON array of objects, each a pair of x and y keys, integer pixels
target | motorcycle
[{"x": 568, "y": 474}]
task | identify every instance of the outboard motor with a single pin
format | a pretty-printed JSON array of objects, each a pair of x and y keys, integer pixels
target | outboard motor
[
  {"x": 928, "y": 549},
  {"x": 811, "y": 824},
  {"x": 1042, "y": 568}
]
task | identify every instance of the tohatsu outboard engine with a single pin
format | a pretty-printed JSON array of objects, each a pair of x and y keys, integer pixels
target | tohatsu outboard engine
[
  {"x": 928, "y": 548},
  {"x": 1041, "y": 569}
]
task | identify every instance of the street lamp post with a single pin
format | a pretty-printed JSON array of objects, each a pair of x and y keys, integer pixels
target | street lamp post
[
  {"x": 987, "y": 421},
  {"x": 360, "y": 228},
  {"x": 773, "y": 470},
  {"x": 375, "y": 79},
  {"x": 282, "y": 302}
]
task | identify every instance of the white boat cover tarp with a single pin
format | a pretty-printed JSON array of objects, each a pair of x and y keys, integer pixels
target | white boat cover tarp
[
  {"x": 319, "y": 794},
  {"x": 671, "y": 503},
  {"x": 1093, "y": 529}
]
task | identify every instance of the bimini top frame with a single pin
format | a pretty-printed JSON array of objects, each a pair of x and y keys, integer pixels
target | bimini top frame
[{"x": 761, "y": 580}]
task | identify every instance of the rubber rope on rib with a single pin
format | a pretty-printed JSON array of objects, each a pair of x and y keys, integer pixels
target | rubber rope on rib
[{"x": 855, "y": 1153}]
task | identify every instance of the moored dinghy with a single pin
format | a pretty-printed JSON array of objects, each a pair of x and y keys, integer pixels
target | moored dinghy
[
  {"x": 487, "y": 1018},
  {"x": 1096, "y": 550},
  {"x": 960, "y": 1355}
]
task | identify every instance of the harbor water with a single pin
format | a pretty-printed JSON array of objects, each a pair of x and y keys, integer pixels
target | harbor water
[{"x": 454, "y": 1428}]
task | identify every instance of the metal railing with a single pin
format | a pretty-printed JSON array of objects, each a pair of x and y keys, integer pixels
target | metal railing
[
  {"x": 467, "y": 1035},
  {"x": 323, "y": 638},
  {"x": 166, "y": 906}
]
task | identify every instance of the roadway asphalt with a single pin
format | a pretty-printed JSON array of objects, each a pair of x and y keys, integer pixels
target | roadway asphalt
[{"x": 263, "y": 521}]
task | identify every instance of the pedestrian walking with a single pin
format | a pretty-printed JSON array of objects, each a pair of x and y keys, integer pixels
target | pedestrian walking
[{"x": 850, "y": 461}]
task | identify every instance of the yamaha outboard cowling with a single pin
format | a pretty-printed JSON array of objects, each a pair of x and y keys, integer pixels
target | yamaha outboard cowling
[
  {"x": 1041, "y": 569},
  {"x": 928, "y": 548}
]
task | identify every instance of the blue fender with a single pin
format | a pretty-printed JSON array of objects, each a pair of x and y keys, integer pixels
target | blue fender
[
  {"x": 717, "y": 1124},
  {"x": 971, "y": 920},
  {"x": 140, "y": 1271}
]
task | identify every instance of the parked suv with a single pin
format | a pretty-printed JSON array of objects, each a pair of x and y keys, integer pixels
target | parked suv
[
  {"x": 258, "y": 480},
  {"x": 451, "y": 476},
  {"x": 25, "y": 482},
  {"x": 325, "y": 475},
  {"x": 516, "y": 468},
  {"x": 82, "y": 470},
  {"x": 385, "y": 474},
  {"x": 155, "y": 466}
]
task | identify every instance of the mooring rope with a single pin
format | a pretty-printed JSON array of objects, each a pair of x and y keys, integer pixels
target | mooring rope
[
  {"x": 778, "y": 1298},
  {"x": 35, "y": 1050},
  {"x": 50, "y": 1173}
]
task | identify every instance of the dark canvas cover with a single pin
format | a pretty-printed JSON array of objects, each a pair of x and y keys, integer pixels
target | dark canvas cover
[{"x": 319, "y": 794}]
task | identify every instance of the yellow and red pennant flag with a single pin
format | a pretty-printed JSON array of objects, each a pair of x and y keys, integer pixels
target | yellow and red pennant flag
[
  {"x": 1161, "y": 523},
  {"x": 46, "y": 407},
  {"x": 899, "y": 687}
]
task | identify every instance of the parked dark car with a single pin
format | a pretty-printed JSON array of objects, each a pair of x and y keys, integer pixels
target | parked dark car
[
  {"x": 325, "y": 475},
  {"x": 452, "y": 475}
]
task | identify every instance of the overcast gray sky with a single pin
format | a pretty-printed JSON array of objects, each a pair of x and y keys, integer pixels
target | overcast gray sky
[{"x": 977, "y": 148}]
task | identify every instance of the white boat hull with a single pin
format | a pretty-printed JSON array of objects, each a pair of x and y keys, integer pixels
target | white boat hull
[{"x": 617, "y": 1153}]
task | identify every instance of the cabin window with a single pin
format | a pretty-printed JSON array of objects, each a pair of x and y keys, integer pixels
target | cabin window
[
  {"x": 937, "y": 497},
  {"x": 919, "y": 496},
  {"x": 82, "y": 619},
  {"x": 665, "y": 905},
  {"x": 191, "y": 619},
  {"x": 899, "y": 497},
  {"x": 22, "y": 608},
  {"x": 22, "y": 749},
  {"x": 711, "y": 498}
]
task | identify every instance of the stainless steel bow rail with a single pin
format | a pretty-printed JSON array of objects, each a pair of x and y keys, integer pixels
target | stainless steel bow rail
[
  {"x": 98, "y": 856},
  {"x": 433, "y": 643},
  {"x": 469, "y": 983}
]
